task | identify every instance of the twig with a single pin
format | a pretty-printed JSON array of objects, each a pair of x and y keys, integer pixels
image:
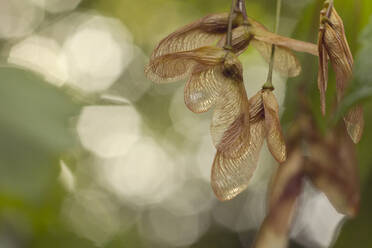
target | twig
[
  {"x": 269, "y": 81},
  {"x": 228, "y": 44}
]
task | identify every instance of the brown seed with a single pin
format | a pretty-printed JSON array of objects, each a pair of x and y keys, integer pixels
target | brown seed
[
  {"x": 332, "y": 43},
  {"x": 176, "y": 66},
  {"x": 274, "y": 135},
  {"x": 231, "y": 171},
  {"x": 203, "y": 32}
]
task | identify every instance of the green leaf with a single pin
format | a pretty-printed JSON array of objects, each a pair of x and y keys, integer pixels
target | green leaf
[{"x": 35, "y": 129}]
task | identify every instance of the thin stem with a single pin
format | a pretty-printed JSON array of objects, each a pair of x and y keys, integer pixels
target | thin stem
[
  {"x": 330, "y": 7},
  {"x": 228, "y": 44},
  {"x": 269, "y": 81},
  {"x": 243, "y": 10},
  {"x": 278, "y": 13}
]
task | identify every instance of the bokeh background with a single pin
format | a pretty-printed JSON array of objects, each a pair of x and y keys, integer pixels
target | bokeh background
[{"x": 92, "y": 154}]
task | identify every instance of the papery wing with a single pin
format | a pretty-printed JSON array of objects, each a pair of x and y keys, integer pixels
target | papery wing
[
  {"x": 354, "y": 122},
  {"x": 169, "y": 68},
  {"x": 241, "y": 37},
  {"x": 230, "y": 121},
  {"x": 342, "y": 62},
  {"x": 338, "y": 27},
  {"x": 202, "y": 89},
  {"x": 275, "y": 139},
  {"x": 176, "y": 66},
  {"x": 228, "y": 109},
  {"x": 230, "y": 176},
  {"x": 202, "y": 32},
  {"x": 339, "y": 53},
  {"x": 285, "y": 62},
  {"x": 235, "y": 139},
  {"x": 322, "y": 72}
]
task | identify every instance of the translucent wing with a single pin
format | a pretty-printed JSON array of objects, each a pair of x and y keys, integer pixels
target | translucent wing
[
  {"x": 339, "y": 58},
  {"x": 202, "y": 32},
  {"x": 230, "y": 123},
  {"x": 230, "y": 111},
  {"x": 177, "y": 66},
  {"x": 169, "y": 68},
  {"x": 322, "y": 72},
  {"x": 235, "y": 139},
  {"x": 241, "y": 37},
  {"x": 354, "y": 122},
  {"x": 342, "y": 62},
  {"x": 285, "y": 62},
  {"x": 339, "y": 52},
  {"x": 338, "y": 27},
  {"x": 202, "y": 89},
  {"x": 231, "y": 175},
  {"x": 275, "y": 139}
]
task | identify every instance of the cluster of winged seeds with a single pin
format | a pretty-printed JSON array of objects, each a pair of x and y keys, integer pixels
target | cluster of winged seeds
[
  {"x": 206, "y": 52},
  {"x": 329, "y": 162},
  {"x": 333, "y": 46},
  {"x": 215, "y": 79}
]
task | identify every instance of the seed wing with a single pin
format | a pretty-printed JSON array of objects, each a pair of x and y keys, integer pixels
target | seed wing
[
  {"x": 285, "y": 62},
  {"x": 202, "y": 89},
  {"x": 240, "y": 40},
  {"x": 229, "y": 108},
  {"x": 169, "y": 68},
  {"x": 339, "y": 52},
  {"x": 203, "y": 32},
  {"x": 230, "y": 175},
  {"x": 176, "y": 66},
  {"x": 342, "y": 62},
  {"x": 275, "y": 139},
  {"x": 354, "y": 122},
  {"x": 322, "y": 72}
]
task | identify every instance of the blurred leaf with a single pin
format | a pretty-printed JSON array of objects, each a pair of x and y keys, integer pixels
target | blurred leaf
[
  {"x": 35, "y": 120},
  {"x": 357, "y": 232},
  {"x": 361, "y": 86}
]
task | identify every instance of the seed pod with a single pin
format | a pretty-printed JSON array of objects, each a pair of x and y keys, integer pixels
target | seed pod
[
  {"x": 274, "y": 135},
  {"x": 230, "y": 121},
  {"x": 203, "y": 87},
  {"x": 176, "y": 66},
  {"x": 285, "y": 62},
  {"x": 335, "y": 43},
  {"x": 322, "y": 70},
  {"x": 203, "y": 32},
  {"x": 231, "y": 171},
  {"x": 332, "y": 43}
]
